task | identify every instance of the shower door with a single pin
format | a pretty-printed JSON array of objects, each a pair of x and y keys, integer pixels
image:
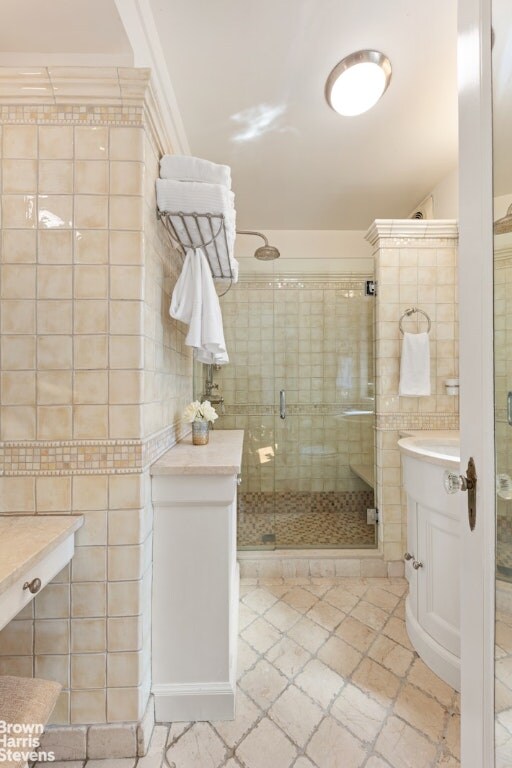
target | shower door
[{"x": 300, "y": 383}]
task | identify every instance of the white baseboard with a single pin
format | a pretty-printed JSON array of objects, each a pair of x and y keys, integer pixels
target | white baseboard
[{"x": 175, "y": 702}]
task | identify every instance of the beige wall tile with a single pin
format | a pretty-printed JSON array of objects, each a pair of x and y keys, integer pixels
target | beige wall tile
[
  {"x": 53, "y": 668},
  {"x": 51, "y": 636},
  {"x": 90, "y": 316},
  {"x": 18, "y": 246},
  {"x": 55, "y": 177},
  {"x": 18, "y": 422},
  {"x": 17, "y": 638},
  {"x": 124, "y": 598},
  {"x": 126, "y": 212},
  {"x": 88, "y": 635},
  {"x": 53, "y": 602},
  {"x": 88, "y": 706},
  {"x": 90, "y": 492},
  {"x": 125, "y": 563},
  {"x": 18, "y": 316},
  {"x": 125, "y": 387},
  {"x": 54, "y": 388},
  {"x": 18, "y": 388},
  {"x": 19, "y": 176},
  {"x": 53, "y": 494},
  {"x": 126, "y": 247},
  {"x": 19, "y": 141},
  {"x": 91, "y": 246},
  {"x": 91, "y": 142},
  {"x": 88, "y": 599},
  {"x": 124, "y": 634},
  {"x": 89, "y": 564},
  {"x": 126, "y": 143},
  {"x": 19, "y": 211},
  {"x": 124, "y": 704},
  {"x": 18, "y": 281},
  {"x": 55, "y": 211},
  {"x": 90, "y": 352},
  {"x": 91, "y": 177},
  {"x": 90, "y": 387},
  {"x": 126, "y": 178},
  {"x": 126, "y": 491},
  {"x": 17, "y": 494},
  {"x": 54, "y": 422},
  {"x": 94, "y": 530},
  {"x": 126, "y": 283},
  {"x": 124, "y": 669},
  {"x": 54, "y": 352},
  {"x": 91, "y": 211},
  {"x": 55, "y": 246},
  {"x": 54, "y": 282},
  {"x": 91, "y": 282},
  {"x": 126, "y": 317},
  {"x": 88, "y": 670},
  {"x": 55, "y": 142},
  {"x": 54, "y": 316},
  {"x": 126, "y": 352},
  {"x": 125, "y": 421},
  {"x": 90, "y": 422}
]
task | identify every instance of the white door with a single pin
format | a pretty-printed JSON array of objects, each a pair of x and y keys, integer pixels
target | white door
[{"x": 476, "y": 376}]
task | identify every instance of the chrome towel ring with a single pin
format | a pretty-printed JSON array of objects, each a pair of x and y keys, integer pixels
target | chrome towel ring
[{"x": 411, "y": 311}]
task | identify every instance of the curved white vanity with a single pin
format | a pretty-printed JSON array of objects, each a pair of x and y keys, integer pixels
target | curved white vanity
[{"x": 433, "y": 551}]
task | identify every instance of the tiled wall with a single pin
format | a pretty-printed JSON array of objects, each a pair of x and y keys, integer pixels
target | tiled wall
[
  {"x": 94, "y": 378},
  {"x": 415, "y": 265}
]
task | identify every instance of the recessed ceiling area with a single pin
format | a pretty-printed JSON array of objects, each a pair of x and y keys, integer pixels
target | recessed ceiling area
[
  {"x": 62, "y": 32},
  {"x": 249, "y": 80}
]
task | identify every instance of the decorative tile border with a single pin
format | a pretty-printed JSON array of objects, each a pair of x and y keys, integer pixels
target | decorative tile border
[
  {"x": 315, "y": 409},
  {"x": 310, "y": 282},
  {"x": 79, "y": 457},
  {"x": 71, "y": 114},
  {"x": 394, "y": 421}
]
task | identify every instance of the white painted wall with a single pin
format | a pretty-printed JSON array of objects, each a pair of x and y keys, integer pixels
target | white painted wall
[
  {"x": 307, "y": 251},
  {"x": 446, "y": 197}
]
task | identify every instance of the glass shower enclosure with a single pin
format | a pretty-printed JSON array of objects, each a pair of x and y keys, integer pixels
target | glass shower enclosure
[{"x": 300, "y": 382}]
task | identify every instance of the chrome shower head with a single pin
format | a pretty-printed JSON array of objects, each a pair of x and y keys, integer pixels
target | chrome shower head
[{"x": 264, "y": 252}]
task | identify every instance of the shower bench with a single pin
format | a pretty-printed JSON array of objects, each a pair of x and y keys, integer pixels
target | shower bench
[{"x": 195, "y": 579}]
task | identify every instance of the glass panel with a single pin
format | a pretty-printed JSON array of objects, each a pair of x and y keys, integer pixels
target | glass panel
[
  {"x": 502, "y": 131},
  {"x": 324, "y": 365}
]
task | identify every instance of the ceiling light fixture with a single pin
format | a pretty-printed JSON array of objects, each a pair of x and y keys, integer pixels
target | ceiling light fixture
[{"x": 358, "y": 82}]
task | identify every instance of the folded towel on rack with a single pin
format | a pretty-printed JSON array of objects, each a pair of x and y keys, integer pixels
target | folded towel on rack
[
  {"x": 415, "y": 366},
  {"x": 195, "y": 302},
  {"x": 186, "y": 168},
  {"x": 189, "y": 197}
]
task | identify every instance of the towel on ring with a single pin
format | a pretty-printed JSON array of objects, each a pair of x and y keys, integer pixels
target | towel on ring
[
  {"x": 195, "y": 302},
  {"x": 199, "y": 197},
  {"x": 186, "y": 168},
  {"x": 415, "y": 366}
]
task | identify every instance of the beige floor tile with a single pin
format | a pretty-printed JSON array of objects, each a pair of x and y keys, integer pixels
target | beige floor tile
[
  {"x": 288, "y": 656},
  {"x": 318, "y": 589},
  {"x": 503, "y": 742},
  {"x": 263, "y": 684},
  {"x": 231, "y": 763},
  {"x": 382, "y": 598},
  {"x": 421, "y": 711},
  {"x": 300, "y": 599},
  {"x": 63, "y": 764},
  {"x": 377, "y": 762},
  {"x": 266, "y": 746},
  {"x": 404, "y": 747},
  {"x": 156, "y": 750},
  {"x": 278, "y": 590},
  {"x": 308, "y": 634},
  {"x": 452, "y": 736},
  {"x": 260, "y": 600},
  {"x": 397, "y": 586},
  {"x": 245, "y": 616},
  {"x": 319, "y": 682},
  {"x": 296, "y": 715},
  {"x": 370, "y": 615},
  {"x": 503, "y": 671},
  {"x": 357, "y": 634},
  {"x": 246, "y": 714},
  {"x": 303, "y": 762},
  {"x": 339, "y": 656},
  {"x": 381, "y": 684},
  {"x": 399, "y": 611},
  {"x": 502, "y": 697},
  {"x": 422, "y": 677},
  {"x": 333, "y": 746},
  {"x": 176, "y": 730},
  {"x": 356, "y": 587},
  {"x": 395, "y": 629},
  {"x": 246, "y": 657},
  {"x": 449, "y": 761},
  {"x": 199, "y": 746},
  {"x": 120, "y": 762},
  {"x": 391, "y": 655},
  {"x": 261, "y": 635},
  {"x": 359, "y": 713},
  {"x": 282, "y": 616},
  {"x": 340, "y": 598},
  {"x": 326, "y": 615}
]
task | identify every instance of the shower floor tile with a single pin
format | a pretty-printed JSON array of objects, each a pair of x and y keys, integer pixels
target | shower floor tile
[{"x": 344, "y": 703}]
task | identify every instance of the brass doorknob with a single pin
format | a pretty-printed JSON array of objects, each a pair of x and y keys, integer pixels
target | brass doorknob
[{"x": 33, "y": 586}]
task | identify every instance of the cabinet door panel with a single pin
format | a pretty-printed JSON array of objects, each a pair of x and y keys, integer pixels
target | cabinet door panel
[{"x": 438, "y": 579}]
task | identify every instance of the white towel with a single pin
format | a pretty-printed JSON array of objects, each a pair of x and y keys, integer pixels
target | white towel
[
  {"x": 415, "y": 366},
  {"x": 197, "y": 197},
  {"x": 195, "y": 302},
  {"x": 186, "y": 168}
]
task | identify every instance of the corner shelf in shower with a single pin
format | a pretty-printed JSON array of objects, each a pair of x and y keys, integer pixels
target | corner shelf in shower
[{"x": 366, "y": 473}]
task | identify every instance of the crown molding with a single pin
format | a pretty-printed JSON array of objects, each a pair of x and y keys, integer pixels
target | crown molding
[{"x": 412, "y": 229}]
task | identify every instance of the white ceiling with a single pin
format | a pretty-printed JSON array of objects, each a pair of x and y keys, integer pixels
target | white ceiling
[{"x": 249, "y": 80}]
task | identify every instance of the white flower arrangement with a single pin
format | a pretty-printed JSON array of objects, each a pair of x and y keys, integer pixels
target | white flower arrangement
[{"x": 197, "y": 411}]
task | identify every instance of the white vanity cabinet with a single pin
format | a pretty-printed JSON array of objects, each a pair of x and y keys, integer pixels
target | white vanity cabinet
[
  {"x": 195, "y": 579},
  {"x": 432, "y": 566}
]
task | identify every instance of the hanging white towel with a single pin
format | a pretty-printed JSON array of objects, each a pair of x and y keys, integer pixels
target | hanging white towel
[
  {"x": 195, "y": 302},
  {"x": 186, "y": 168},
  {"x": 415, "y": 366},
  {"x": 197, "y": 197}
]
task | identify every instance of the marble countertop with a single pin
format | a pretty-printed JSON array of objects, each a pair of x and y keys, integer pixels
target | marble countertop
[
  {"x": 26, "y": 539},
  {"x": 222, "y": 455}
]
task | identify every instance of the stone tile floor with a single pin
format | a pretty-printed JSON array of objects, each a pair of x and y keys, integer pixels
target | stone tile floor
[{"x": 327, "y": 679}]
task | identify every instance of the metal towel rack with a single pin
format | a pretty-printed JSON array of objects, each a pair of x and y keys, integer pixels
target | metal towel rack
[
  {"x": 202, "y": 230},
  {"x": 411, "y": 311}
]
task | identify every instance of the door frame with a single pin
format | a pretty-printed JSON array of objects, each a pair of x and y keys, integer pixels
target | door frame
[{"x": 476, "y": 377}]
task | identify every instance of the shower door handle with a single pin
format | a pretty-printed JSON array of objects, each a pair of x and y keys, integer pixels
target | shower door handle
[{"x": 282, "y": 404}]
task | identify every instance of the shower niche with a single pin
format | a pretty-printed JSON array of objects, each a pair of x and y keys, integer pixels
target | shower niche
[{"x": 300, "y": 383}]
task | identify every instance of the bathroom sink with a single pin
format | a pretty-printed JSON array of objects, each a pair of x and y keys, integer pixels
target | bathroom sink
[{"x": 436, "y": 449}]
